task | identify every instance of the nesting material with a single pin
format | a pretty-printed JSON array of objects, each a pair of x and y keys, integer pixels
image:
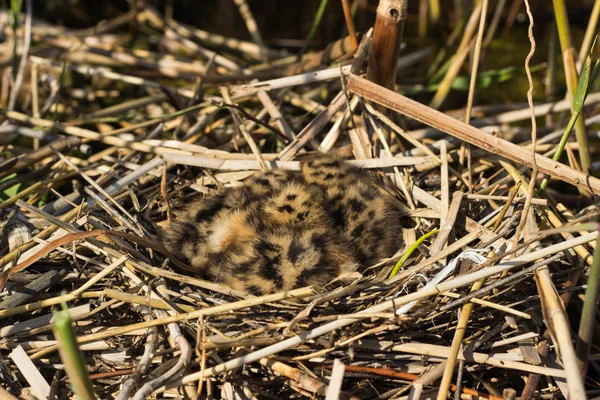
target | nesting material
[{"x": 225, "y": 219}]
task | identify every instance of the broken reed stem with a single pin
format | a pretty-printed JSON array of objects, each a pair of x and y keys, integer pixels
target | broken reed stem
[
  {"x": 24, "y": 56},
  {"x": 385, "y": 44},
  {"x": 469, "y": 133},
  {"x": 500, "y": 282},
  {"x": 511, "y": 196},
  {"x": 458, "y": 59},
  {"x": 252, "y": 27},
  {"x": 306, "y": 381},
  {"x": 476, "y": 61},
  {"x": 472, "y": 83}
]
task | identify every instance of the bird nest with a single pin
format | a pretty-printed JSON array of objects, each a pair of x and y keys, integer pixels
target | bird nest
[{"x": 105, "y": 145}]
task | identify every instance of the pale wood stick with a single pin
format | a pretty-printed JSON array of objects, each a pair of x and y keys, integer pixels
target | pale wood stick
[
  {"x": 313, "y": 128},
  {"x": 33, "y": 376}
]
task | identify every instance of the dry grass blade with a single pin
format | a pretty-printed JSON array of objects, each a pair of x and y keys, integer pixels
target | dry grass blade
[{"x": 152, "y": 160}]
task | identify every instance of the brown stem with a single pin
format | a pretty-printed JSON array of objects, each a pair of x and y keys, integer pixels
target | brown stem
[{"x": 385, "y": 47}]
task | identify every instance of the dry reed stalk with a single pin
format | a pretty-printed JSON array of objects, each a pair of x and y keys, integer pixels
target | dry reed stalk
[
  {"x": 457, "y": 342},
  {"x": 163, "y": 108},
  {"x": 444, "y": 351},
  {"x": 292, "y": 294},
  {"x": 385, "y": 45},
  {"x": 469, "y": 133},
  {"x": 557, "y": 323}
]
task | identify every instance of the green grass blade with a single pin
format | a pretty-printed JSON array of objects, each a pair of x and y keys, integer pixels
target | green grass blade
[
  {"x": 411, "y": 250},
  {"x": 588, "y": 313},
  {"x": 72, "y": 357},
  {"x": 315, "y": 26}
]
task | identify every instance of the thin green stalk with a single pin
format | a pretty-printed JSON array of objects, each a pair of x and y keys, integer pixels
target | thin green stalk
[
  {"x": 434, "y": 9},
  {"x": 588, "y": 313},
  {"x": 590, "y": 34},
  {"x": 550, "y": 85},
  {"x": 562, "y": 23},
  {"x": 411, "y": 250},
  {"x": 435, "y": 72},
  {"x": 315, "y": 26},
  {"x": 71, "y": 356},
  {"x": 494, "y": 24},
  {"x": 586, "y": 81},
  {"x": 564, "y": 35},
  {"x": 561, "y": 146}
]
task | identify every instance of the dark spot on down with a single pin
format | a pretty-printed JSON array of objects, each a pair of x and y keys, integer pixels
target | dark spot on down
[
  {"x": 337, "y": 198},
  {"x": 331, "y": 164},
  {"x": 285, "y": 208},
  {"x": 246, "y": 266},
  {"x": 184, "y": 259},
  {"x": 265, "y": 247},
  {"x": 358, "y": 231},
  {"x": 357, "y": 205},
  {"x": 338, "y": 217},
  {"x": 368, "y": 194},
  {"x": 270, "y": 272},
  {"x": 376, "y": 232},
  {"x": 210, "y": 210},
  {"x": 362, "y": 257},
  {"x": 237, "y": 249},
  {"x": 329, "y": 176},
  {"x": 303, "y": 278},
  {"x": 318, "y": 241},
  {"x": 263, "y": 182},
  {"x": 301, "y": 216},
  {"x": 294, "y": 251},
  {"x": 291, "y": 197},
  {"x": 190, "y": 233},
  {"x": 255, "y": 290},
  {"x": 255, "y": 221}
]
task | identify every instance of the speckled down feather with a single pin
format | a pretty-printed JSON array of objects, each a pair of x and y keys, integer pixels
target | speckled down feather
[{"x": 286, "y": 229}]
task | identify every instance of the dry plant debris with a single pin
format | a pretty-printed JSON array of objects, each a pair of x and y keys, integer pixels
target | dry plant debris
[{"x": 102, "y": 140}]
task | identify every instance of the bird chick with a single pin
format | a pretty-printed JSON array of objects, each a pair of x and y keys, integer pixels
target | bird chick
[
  {"x": 286, "y": 229},
  {"x": 366, "y": 214}
]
